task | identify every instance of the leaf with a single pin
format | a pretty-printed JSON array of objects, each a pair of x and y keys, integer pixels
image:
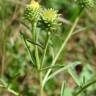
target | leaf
[{"x": 63, "y": 69}]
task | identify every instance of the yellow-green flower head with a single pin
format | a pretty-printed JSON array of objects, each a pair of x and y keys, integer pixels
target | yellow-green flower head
[
  {"x": 49, "y": 15},
  {"x": 49, "y": 19},
  {"x": 87, "y": 3},
  {"x": 34, "y": 5},
  {"x": 32, "y": 11}
]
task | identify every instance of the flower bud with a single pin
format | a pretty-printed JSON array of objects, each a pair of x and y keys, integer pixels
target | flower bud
[
  {"x": 50, "y": 18},
  {"x": 32, "y": 11}
]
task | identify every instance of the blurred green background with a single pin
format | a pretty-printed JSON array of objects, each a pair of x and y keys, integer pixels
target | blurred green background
[{"x": 15, "y": 65}]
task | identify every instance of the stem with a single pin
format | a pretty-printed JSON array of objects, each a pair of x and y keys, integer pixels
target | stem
[
  {"x": 5, "y": 86},
  {"x": 41, "y": 87},
  {"x": 43, "y": 58},
  {"x": 50, "y": 67},
  {"x": 60, "y": 70},
  {"x": 75, "y": 77},
  {"x": 27, "y": 47},
  {"x": 85, "y": 87},
  {"x": 13, "y": 92},
  {"x": 61, "y": 48},
  {"x": 36, "y": 48},
  {"x": 45, "y": 48},
  {"x": 37, "y": 56}
]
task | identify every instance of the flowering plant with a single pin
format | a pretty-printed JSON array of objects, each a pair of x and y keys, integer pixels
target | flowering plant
[{"x": 48, "y": 19}]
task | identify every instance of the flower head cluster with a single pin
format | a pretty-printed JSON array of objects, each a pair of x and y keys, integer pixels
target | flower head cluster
[
  {"x": 32, "y": 11},
  {"x": 47, "y": 18},
  {"x": 50, "y": 18},
  {"x": 87, "y": 3},
  {"x": 49, "y": 15},
  {"x": 34, "y": 5}
]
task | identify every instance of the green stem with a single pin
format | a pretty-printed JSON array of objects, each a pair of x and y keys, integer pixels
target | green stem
[
  {"x": 85, "y": 87},
  {"x": 5, "y": 86},
  {"x": 36, "y": 47},
  {"x": 41, "y": 87},
  {"x": 37, "y": 56},
  {"x": 61, "y": 48},
  {"x": 43, "y": 59},
  {"x": 45, "y": 48},
  {"x": 50, "y": 67},
  {"x": 27, "y": 47}
]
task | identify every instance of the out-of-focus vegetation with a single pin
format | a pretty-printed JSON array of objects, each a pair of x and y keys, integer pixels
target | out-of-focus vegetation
[{"x": 16, "y": 71}]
